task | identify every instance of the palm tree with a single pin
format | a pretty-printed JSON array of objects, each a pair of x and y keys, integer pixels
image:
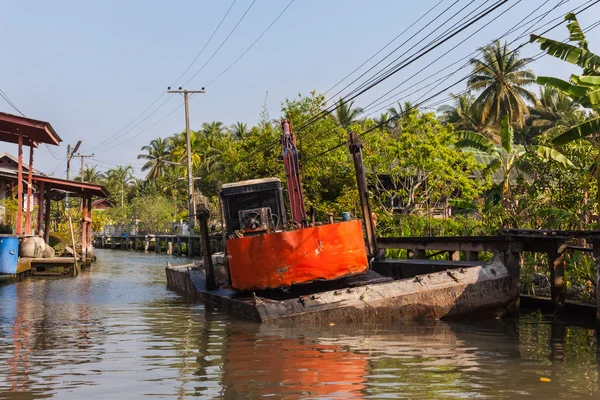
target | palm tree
[
  {"x": 582, "y": 89},
  {"x": 239, "y": 130},
  {"x": 121, "y": 175},
  {"x": 212, "y": 131},
  {"x": 157, "y": 158},
  {"x": 384, "y": 121},
  {"x": 399, "y": 112},
  {"x": 345, "y": 115},
  {"x": 501, "y": 77},
  {"x": 505, "y": 158},
  {"x": 467, "y": 116},
  {"x": 553, "y": 109},
  {"x": 92, "y": 175}
]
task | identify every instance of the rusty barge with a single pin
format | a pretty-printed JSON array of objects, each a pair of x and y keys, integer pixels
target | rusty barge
[{"x": 276, "y": 269}]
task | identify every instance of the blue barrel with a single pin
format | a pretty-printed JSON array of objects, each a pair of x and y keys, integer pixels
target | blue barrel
[
  {"x": 345, "y": 216},
  {"x": 9, "y": 254}
]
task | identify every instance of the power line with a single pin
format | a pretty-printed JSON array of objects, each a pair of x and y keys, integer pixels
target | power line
[
  {"x": 443, "y": 79},
  {"x": 101, "y": 144},
  {"x": 9, "y": 101},
  {"x": 389, "y": 67},
  {"x": 222, "y": 43},
  {"x": 252, "y": 45},
  {"x": 142, "y": 131},
  {"x": 399, "y": 47},
  {"x": 378, "y": 101},
  {"x": 384, "y": 47},
  {"x": 326, "y": 112},
  {"x": 422, "y": 52},
  {"x": 539, "y": 55},
  {"x": 205, "y": 44}
]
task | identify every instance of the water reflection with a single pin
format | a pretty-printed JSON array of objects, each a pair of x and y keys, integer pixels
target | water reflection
[{"x": 116, "y": 331}]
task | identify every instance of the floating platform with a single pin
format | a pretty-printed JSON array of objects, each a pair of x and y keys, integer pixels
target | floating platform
[
  {"x": 55, "y": 266},
  {"x": 486, "y": 289}
]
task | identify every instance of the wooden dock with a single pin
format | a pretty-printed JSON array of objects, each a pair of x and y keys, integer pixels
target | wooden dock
[
  {"x": 177, "y": 245},
  {"x": 55, "y": 266}
]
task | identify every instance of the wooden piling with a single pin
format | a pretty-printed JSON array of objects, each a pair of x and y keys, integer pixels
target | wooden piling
[
  {"x": 205, "y": 249},
  {"x": 471, "y": 256},
  {"x": 556, "y": 262},
  {"x": 361, "y": 181}
]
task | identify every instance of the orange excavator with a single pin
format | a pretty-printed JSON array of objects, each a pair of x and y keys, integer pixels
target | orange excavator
[{"x": 266, "y": 250}]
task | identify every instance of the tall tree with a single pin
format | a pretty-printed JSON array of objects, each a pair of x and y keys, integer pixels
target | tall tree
[
  {"x": 583, "y": 89},
  {"x": 121, "y": 176},
  {"x": 240, "y": 130},
  {"x": 157, "y": 158},
  {"x": 501, "y": 77},
  {"x": 345, "y": 115},
  {"x": 384, "y": 121},
  {"x": 553, "y": 109},
  {"x": 464, "y": 115},
  {"x": 92, "y": 175},
  {"x": 400, "y": 112},
  {"x": 212, "y": 131},
  {"x": 505, "y": 157}
]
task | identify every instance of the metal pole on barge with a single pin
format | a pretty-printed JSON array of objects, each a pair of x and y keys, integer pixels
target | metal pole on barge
[
  {"x": 191, "y": 206},
  {"x": 203, "y": 215},
  {"x": 361, "y": 181}
]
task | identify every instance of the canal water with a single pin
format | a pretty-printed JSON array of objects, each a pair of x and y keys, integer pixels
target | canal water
[{"x": 117, "y": 332}]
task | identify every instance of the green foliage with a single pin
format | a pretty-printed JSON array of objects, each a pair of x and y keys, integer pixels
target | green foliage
[{"x": 154, "y": 212}]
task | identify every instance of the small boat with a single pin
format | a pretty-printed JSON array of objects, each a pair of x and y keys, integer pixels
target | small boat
[{"x": 280, "y": 269}]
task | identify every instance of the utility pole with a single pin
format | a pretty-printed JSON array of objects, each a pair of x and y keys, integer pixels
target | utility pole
[
  {"x": 69, "y": 157},
  {"x": 191, "y": 204},
  {"x": 83, "y": 156},
  {"x": 363, "y": 192}
]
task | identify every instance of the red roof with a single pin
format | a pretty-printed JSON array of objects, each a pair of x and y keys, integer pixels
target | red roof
[
  {"x": 33, "y": 131},
  {"x": 72, "y": 186}
]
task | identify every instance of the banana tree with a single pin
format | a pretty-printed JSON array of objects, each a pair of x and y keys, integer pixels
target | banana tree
[
  {"x": 583, "y": 89},
  {"x": 505, "y": 157}
]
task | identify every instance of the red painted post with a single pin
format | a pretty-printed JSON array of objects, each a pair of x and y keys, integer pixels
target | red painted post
[
  {"x": 40, "y": 196},
  {"x": 19, "y": 218},
  {"x": 89, "y": 224},
  {"x": 29, "y": 187},
  {"x": 83, "y": 230},
  {"x": 47, "y": 219}
]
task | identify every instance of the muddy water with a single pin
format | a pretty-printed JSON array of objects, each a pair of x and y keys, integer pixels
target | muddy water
[{"x": 117, "y": 332}]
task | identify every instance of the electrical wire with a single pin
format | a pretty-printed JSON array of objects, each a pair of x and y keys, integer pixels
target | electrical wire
[
  {"x": 205, "y": 44},
  {"x": 142, "y": 131},
  {"x": 443, "y": 79},
  {"x": 390, "y": 66},
  {"x": 222, "y": 43},
  {"x": 422, "y": 52},
  {"x": 9, "y": 101},
  {"x": 383, "y": 48},
  {"x": 252, "y": 45},
  {"x": 399, "y": 47},
  {"x": 416, "y": 106},
  {"x": 102, "y": 143},
  {"x": 326, "y": 112},
  {"x": 379, "y": 101}
]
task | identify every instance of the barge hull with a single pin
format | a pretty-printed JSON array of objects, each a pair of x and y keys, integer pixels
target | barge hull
[{"x": 488, "y": 290}]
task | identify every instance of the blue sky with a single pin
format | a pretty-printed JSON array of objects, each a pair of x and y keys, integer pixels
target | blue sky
[{"x": 90, "y": 68}]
